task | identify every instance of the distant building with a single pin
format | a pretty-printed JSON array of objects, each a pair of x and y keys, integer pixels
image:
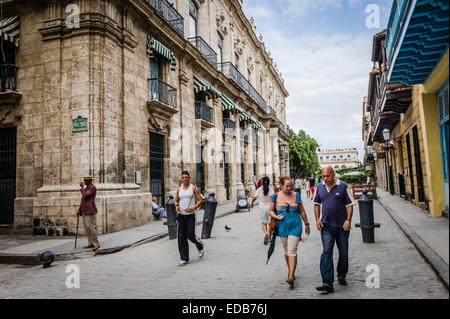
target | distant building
[{"x": 338, "y": 158}]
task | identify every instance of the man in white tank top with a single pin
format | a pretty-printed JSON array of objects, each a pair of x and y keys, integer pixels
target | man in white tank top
[{"x": 187, "y": 200}]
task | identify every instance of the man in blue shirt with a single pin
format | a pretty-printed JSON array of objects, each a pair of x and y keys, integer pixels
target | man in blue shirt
[{"x": 337, "y": 211}]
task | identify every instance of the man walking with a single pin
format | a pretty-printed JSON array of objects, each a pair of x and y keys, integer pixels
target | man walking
[
  {"x": 298, "y": 185},
  {"x": 88, "y": 210},
  {"x": 337, "y": 211},
  {"x": 187, "y": 200}
]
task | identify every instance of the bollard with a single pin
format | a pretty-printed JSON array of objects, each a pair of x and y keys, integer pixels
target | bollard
[
  {"x": 208, "y": 216},
  {"x": 366, "y": 224},
  {"x": 171, "y": 218}
]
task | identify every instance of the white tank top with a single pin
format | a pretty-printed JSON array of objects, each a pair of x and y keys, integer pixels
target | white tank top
[{"x": 187, "y": 199}]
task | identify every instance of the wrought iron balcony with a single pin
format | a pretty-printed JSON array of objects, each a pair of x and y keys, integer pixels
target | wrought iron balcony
[
  {"x": 203, "y": 112},
  {"x": 168, "y": 13},
  {"x": 231, "y": 71},
  {"x": 229, "y": 126},
  {"x": 284, "y": 129},
  {"x": 162, "y": 92},
  {"x": 270, "y": 110},
  {"x": 205, "y": 50},
  {"x": 8, "y": 77}
]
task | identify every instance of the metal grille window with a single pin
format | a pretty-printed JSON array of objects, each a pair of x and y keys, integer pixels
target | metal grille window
[
  {"x": 7, "y": 175},
  {"x": 192, "y": 19},
  {"x": 157, "y": 167}
]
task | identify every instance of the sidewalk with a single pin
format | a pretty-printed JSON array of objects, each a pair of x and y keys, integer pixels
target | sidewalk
[
  {"x": 25, "y": 250},
  {"x": 429, "y": 234}
]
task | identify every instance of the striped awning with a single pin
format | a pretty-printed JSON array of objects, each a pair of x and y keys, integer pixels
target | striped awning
[
  {"x": 10, "y": 29},
  {"x": 227, "y": 104},
  {"x": 244, "y": 116},
  {"x": 200, "y": 84},
  {"x": 257, "y": 124},
  {"x": 154, "y": 46},
  {"x": 283, "y": 142}
]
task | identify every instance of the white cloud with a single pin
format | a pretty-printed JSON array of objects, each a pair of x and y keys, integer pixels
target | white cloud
[{"x": 305, "y": 7}]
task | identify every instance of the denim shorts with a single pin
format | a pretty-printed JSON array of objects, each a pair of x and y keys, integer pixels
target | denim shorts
[{"x": 264, "y": 214}]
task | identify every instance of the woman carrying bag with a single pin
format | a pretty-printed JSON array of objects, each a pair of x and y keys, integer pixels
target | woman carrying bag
[{"x": 287, "y": 208}]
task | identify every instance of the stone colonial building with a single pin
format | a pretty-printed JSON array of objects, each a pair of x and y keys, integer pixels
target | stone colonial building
[
  {"x": 338, "y": 158},
  {"x": 131, "y": 92}
]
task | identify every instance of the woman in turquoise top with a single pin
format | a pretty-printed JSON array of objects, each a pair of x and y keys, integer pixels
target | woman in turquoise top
[{"x": 287, "y": 208}]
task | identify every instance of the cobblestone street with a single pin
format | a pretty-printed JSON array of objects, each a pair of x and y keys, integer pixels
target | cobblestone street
[{"x": 235, "y": 267}]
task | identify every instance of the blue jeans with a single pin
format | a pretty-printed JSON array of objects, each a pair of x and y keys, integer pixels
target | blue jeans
[
  {"x": 329, "y": 235},
  {"x": 160, "y": 212}
]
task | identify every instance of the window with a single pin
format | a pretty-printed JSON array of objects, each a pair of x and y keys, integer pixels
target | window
[
  {"x": 236, "y": 61},
  {"x": 192, "y": 20},
  {"x": 219, "y": 50}
]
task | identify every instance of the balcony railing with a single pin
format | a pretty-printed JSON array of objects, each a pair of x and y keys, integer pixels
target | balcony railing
[
  {"x": 162, "y": 92},
  {"x": 284, "y": 129},
  {"x": 230, "y": 70},
  {"x": 205, "y": 50},
  {"x": 169, "y": 13},
  {"x": 8, "y": 77},
  {"x": 270, "y": 110},
  {"x": 203, "y": 112},
  {"x": 229, "y": 126}
]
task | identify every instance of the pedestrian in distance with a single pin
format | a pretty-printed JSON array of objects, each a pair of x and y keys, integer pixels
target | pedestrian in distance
[
  {"x": 312, "y": 185},
  {"x": 287, "y": 208},
  {"x": 187, "y": 201},
  {"x": 337, "y": 210},
  {"x": 308, "y": 190},
  {"x": 264, "y": 195},
  {"x": 88, "y": 211},
  {"x": 259, "y": 183},
  {"x": 298, "y": 185}
]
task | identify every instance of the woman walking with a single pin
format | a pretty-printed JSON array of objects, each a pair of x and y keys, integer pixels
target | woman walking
[
  {"x": 287, "y": 208},
  {"x": 264, "y": 194}
]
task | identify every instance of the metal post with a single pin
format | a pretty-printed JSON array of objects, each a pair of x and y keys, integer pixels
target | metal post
[
  {"x": 367, "y": 224},
  {"x": 171, "y": 218},
  {"x": 208, "y": 216}
]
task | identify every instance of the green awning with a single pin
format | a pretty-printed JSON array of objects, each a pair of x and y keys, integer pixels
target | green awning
[
  {"x": 282, "y": 142},
  {"x": 244, "y": 116},
  {"x": 10, "y": 29},
  {"x": 257, "y": 124},
  {"x": 200, "y": 84},
  {"x": 227, "y": 104},
  {"x": 154, "y": 46}
]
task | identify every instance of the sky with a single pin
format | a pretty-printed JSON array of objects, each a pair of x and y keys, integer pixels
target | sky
[{"x": 323, "y": 50}]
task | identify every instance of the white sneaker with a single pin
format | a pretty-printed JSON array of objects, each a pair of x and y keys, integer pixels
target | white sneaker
[
  {"x": 183, "y": 262},
  {"x": 201, "y": 253}
]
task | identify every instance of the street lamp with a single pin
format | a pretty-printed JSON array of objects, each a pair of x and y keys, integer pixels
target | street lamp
[{"x": 387, "y": 136}]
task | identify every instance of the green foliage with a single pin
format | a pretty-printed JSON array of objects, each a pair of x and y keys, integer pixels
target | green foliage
[
  {"x": 302, "y": 154},
  {"x": 353, "y": 178}
]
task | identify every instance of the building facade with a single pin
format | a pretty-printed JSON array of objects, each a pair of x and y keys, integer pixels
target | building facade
[
  {"x": 132, "y": 92},
  {"x": 408, "y": 101},
  {"x": 338, "y": 158}
]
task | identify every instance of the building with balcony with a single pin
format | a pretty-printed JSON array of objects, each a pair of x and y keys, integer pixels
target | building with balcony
[
  {"x": 338, "y": 158},
  {"x": 132, "y": 93},
  {"x": 408, "y": 102}
]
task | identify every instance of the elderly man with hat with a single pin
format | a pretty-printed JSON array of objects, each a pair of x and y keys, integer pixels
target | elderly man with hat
[{"x": 88, "y": 210}]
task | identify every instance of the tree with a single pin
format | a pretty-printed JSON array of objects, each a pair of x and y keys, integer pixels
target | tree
[{"x": 302, "y": 154}]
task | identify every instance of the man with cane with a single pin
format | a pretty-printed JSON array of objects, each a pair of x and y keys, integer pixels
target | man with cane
[{"x": 88, "y": 210}]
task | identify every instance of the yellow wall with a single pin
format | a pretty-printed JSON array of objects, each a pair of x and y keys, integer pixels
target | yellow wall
[{"x": 431, "y": 139}]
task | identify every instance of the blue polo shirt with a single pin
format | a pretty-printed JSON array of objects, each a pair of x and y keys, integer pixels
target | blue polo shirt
[{"x": 334, "y": 203}]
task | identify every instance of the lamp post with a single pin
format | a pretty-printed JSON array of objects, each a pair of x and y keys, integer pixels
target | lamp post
[{"x": 387, "y": 136}]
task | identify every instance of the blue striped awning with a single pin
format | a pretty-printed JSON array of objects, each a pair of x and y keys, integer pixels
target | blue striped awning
[
  {"x": 10, "y": 29},
  {"x": 154, "y": 46}
]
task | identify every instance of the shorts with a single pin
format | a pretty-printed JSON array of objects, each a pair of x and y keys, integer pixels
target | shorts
[
  {"x": 264, "y": 213},
  {"x": 312, "y": 189},
  {"x": 290, "y": 244}
]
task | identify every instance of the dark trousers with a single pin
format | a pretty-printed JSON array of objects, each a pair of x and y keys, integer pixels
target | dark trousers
[
  {"x": 186, "y": 230},
  {"x": 329, "y": 236}
]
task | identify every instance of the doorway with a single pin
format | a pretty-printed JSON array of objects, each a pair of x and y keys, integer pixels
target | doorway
[
  {"x": 157, "y": 167},
  {"x": 419, "y": 173},
  {"x": 8, "y": 150}
]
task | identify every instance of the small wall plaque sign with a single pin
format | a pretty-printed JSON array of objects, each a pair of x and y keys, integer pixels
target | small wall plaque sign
[
  {"x": 138, "y": 177},
  {"x": 79, "y": 124}
]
